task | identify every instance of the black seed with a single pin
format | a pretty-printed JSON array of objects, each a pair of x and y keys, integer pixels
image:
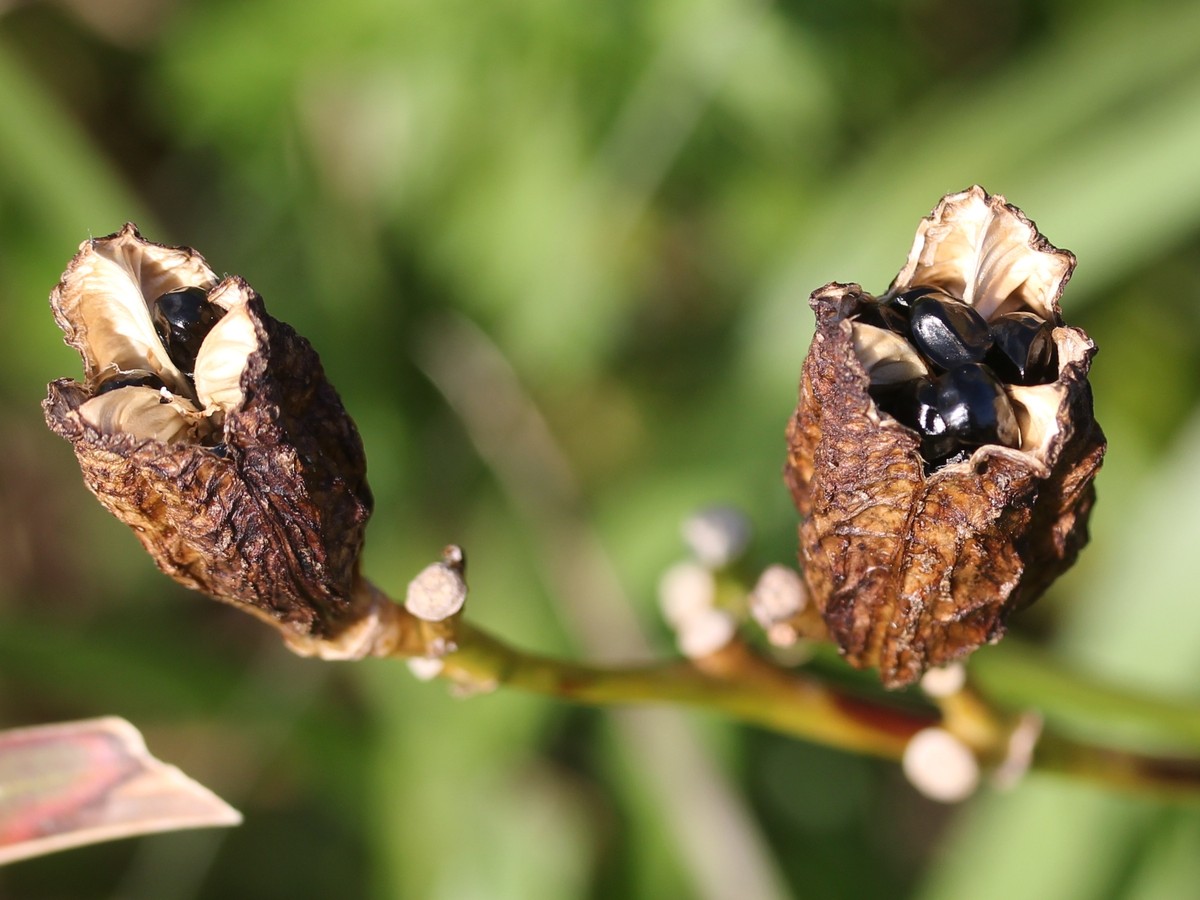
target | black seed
[
  {"x": 132, "y": 378},
  {"x": 1023, "y": 349},
  {"x": 949, "y": 333},
  {"x": 904, "y": 302},
  {"x": 183, "y": 318},
  {"x": 915, "y": 404},
  {"x": 220, "y": 450},
  {"x": 883, "y": 315},
  {"x": 899, "y": 400},
  {"x": 976, "y": 410}
]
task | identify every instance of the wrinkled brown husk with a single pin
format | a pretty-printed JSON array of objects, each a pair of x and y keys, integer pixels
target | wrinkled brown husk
[
  {"x": 276, "y": 525},
  {"x": 912, "y": 571}
]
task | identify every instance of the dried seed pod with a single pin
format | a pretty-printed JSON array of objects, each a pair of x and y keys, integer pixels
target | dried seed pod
[
  {"x": 244, "y": 479},
  {"x": 916, "y": 562}
]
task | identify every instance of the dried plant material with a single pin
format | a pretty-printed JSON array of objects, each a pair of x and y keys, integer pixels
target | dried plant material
[
  {"x": 886, "y": 357},
  {"x": 1022, "y": 744},
  {"x": 940, "y": 766},
  {"x": 79, "y": 783},
  {"x": 685, "y": 589},
  {"x": 705, "y": 632},
  {"x": 779, "y": 595},
  {"x": 944, "y": 681},
  {"x": 717, "y": 536},
  {"x": 425, "y": 668},
  {"x": 208, "y": 427},
  {"x": 688, "y": 598},
  {"x": 916, "y": 549},
  {"x": 440, "y": 590}
]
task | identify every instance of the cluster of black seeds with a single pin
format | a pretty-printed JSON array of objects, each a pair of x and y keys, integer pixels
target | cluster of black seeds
[
  {"x": 963, "y": 404},
  {"x": 182, "y": 319}
]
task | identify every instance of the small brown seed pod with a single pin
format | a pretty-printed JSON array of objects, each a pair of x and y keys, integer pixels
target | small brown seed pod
[
  {"x": 916, "y": 556},
  {"x": 208, "y": 427}
]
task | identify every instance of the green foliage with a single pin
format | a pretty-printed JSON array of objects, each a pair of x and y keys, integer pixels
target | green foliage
[{"x": 628, "y": 203}]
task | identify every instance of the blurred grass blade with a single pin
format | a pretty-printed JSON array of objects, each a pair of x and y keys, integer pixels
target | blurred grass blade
[
  {"x": 79, "y": 783},
  {"x": 1094, "y": 136},
  {"x": 1139, "y": 620},
  {"x": 1121, "y": 630},
  {"x": 52, "y": 165},
  {"x": 1051, "y": 840},
  {"x": 1020, "y": 676},
  {"x": 1013, "y": 130}
]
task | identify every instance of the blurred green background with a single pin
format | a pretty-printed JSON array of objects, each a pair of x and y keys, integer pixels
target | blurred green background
[{"x": 555, "y": 257}]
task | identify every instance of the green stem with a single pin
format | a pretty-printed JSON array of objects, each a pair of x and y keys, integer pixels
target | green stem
[
  {"x": 739, "y": 683},
  {"x": 1170, "y": 778},
  {"x": 734, "y": 681}
]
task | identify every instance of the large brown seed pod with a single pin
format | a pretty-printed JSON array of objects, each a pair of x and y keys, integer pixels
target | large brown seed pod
[
  {"x": 244, "y": 478},
  {"x": 913, "y": 563}
]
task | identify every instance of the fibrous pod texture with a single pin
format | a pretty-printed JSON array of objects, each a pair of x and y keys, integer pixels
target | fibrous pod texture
[
  {"x": 208, "y": 427},
  {"x": 943, "y": 449}
]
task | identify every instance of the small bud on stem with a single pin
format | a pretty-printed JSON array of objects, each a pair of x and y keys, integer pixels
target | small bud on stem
[{"x": 439, "y": 590}]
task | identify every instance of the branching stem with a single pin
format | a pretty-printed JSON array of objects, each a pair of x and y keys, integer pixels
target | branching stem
[{"x": 738, "y": 682}]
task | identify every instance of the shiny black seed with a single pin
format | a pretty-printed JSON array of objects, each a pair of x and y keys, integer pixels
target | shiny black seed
[
  {"x": 948, "y": 333},
  {"x": 183, "y": 318},
  {"x": 904, "y": 302},
  {"x": 884, "y": 315},
  {"x": 220, "y": 450},
  {"x": 1023, "y": 349},
  {"x": 132, "y": 378},
  {"x": 899, "y": 400},
  {"x": 976, "y": 410},
  {"x": 915, "y": 404}
]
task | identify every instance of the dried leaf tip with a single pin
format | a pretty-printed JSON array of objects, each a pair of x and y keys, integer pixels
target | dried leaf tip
[{"x": 209, "y": 428}]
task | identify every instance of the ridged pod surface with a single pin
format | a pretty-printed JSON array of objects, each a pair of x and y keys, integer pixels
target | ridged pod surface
[
  {"x": 246, "y": 481},
  {"x": 911, "y": 568}
]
